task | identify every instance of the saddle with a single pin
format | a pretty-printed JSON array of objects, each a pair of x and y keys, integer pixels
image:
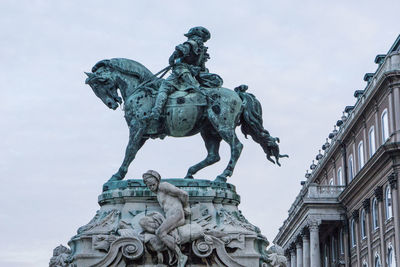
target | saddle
[{"x": 186, "y": 98}]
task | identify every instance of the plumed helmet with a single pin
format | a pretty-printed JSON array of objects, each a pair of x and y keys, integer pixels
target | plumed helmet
[
  {"x": 151, "y": 174},
  {"x": 199, "y": 31}
]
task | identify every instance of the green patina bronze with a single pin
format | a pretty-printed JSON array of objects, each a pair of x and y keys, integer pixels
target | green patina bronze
[{"x": 190, "y": 101}]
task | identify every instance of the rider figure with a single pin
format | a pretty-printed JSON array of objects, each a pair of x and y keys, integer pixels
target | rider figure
[{"x": 188, "y": 69}]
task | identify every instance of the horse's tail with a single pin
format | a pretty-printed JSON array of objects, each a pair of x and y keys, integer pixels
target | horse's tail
[{"x": 252, "y": 122}]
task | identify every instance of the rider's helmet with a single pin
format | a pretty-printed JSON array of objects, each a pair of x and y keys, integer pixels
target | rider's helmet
[{"x": 199, "y": 31}]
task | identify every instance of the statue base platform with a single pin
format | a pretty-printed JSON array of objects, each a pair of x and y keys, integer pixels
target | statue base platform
[{"x": 214, "y": 234}]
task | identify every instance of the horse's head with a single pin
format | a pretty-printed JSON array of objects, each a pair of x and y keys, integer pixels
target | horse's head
[{"x": 105, "y": 88}]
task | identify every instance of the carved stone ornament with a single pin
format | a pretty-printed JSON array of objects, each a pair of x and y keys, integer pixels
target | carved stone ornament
[
  {"x": 276, "y": 256},
  {"x": 313, "y": 224},
  {"x": 126, "y": 229},
  {"x": 393, "y": 180},
  {"x": 305, "y": 233},
  {"x": 379, "y": 193},
  {"x": 367, "y": 205},
  {"x": 355, "y": 215},
  {"x": 60, "y": 257}
]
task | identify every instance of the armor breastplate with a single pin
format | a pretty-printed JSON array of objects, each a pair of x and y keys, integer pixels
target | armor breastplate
[{"x": 196, "y": 54}]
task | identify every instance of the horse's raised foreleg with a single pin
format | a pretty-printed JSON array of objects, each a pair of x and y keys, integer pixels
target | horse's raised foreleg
[
  {"x": 230, "y": 137},
  {"x": 212, "y": 141},
  {"x": 136, "y": 141}
]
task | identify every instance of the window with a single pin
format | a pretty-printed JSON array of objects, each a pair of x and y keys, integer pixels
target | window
[
  {"x": 391, "y": 261},
  {"x": 371, "y": 141},
  {"x": 375, "y": 214},
  {"x": 385, "y": 126},
  {"x": 377, "y": 261},
  {"x": 331, "y": 181},
  {"x": 363, "y": 227},
  {"x": 353, "y": 233},
  {"x": 388, "y": 203},
  {"x": 360, "y": 155},
  {"x": 340, "y": 176},
  {"x": 351, "y": 168}
]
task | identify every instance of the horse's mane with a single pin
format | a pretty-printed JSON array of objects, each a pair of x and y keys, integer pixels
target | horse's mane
[{"x": 125, "y": 66}]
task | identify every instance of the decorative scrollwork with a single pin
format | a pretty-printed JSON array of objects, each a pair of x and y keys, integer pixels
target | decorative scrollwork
[
  {"x": 133, "y": 250},
  {"x": 203, "y": 247}
]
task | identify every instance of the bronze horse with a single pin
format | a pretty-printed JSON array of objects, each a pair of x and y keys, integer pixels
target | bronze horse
[{"x": 212, "y": 112}]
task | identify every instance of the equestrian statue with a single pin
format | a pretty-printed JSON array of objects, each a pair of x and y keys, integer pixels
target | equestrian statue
[{"x": 190, "y": 101}]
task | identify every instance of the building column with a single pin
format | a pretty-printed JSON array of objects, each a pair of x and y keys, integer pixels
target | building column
[
  {"x": 306, "y": 248},
  {"x": 379, "y": 197},
  {"x": 299, "y": 252},
  {"x": 391, "y": 112},
  {"x": 355, "y": 216},
  {"x": 293, "y": 257},
  {"x": 346, "y": 239},
  {"x": 287, "y": 255},
  {"x": 396, "y": 213},
  {"x": 315, "y": 254},
  {"x": 367, "y": 209},
  {"x": 396, "y": 111}
]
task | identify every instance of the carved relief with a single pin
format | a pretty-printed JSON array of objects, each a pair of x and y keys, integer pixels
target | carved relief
[
  {"x": 276, "y": 257},
  {"x": 102, "y": 223},
  {"x": 236, "y": 219},
  {"x": 60, "y": 257}
]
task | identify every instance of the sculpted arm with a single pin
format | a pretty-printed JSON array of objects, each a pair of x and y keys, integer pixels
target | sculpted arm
[
  {"x": 181, "y": 50},
  {"x": 176, "y": 192}
]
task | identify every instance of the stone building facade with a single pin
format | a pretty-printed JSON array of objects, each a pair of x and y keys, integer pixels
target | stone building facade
[{"x": 347, "y": 212}]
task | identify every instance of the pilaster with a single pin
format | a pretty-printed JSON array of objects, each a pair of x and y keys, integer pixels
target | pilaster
[
  {"x": 367, "y": 209},
  {"x": 306, "y": 247},
  {"x": 379, "y": 197},
  {"x": 299, "y": 251},
  {"x": 315, "y": 255},
  {"x": 393, "y": 181}
]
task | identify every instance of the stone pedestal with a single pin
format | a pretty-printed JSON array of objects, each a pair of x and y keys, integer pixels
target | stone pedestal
[{"x": 215, "y": 234}]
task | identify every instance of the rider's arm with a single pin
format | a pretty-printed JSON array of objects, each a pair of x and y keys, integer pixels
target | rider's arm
[{"x": 181, "y": 51}]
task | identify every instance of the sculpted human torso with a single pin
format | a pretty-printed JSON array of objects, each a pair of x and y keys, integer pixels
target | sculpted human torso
[
  {"x": 175, "y": 203},
  {"x": 171, "y": 205}
]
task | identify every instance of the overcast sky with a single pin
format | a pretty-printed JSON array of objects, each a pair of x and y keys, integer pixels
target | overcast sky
[{"x": 59, "y": 143}]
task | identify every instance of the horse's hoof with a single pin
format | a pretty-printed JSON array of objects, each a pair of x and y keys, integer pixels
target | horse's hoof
[
  {"x": 227, "y": 173},
  {"x": 220, "y": 179}
]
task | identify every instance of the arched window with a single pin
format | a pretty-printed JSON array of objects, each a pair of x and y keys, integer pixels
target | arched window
[
  {"x": 365, "y": 264},
  {"x": 351, "y": 168},
  {"x": 363, "y": 225},
  {"x": 371, "y": 141},
  {"x": 388, "y": 202},
  {"x": 331, "y": 181},
  {"x": 353, "y": 233},
  {"x": 375, "y": 214},
  {"x": 385, "y": 126},
  {"x": 391, "y": 261},
  {"x": 360, "y": 155},
  {"x": 377, "y": 261},
  {"x": 340, "y": 176}
]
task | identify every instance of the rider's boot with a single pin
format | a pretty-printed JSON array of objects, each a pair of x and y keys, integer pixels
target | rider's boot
[{"x": 159, "y": 105}]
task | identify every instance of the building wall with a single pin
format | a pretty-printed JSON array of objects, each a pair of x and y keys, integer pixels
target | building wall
[{"x": 349, "y": 238}]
